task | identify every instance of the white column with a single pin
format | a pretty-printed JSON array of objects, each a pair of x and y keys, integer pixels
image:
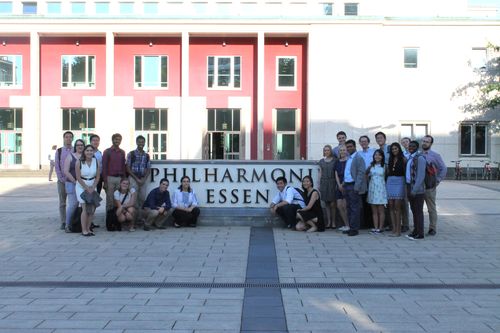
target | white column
[
  {"x": 35, "y": 162},
  {"x": 260, "y": 96}
]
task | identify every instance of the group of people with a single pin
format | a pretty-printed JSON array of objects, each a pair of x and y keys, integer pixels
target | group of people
[
  {"x": 372, "y": 188},
  {"x": 83, "y": 171}
]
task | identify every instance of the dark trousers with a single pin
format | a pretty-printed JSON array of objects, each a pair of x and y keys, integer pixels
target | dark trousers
[
  {"x": 289, "y": 214},
  {"x": 417, "y": 210},
  {"x": 186, "y": 218},
  {"x": 366, "y": 213},
  {"x": 354, "y": 206}
]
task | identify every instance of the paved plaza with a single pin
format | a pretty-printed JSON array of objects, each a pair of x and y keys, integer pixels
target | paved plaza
[{"x": 216, "y": 279}]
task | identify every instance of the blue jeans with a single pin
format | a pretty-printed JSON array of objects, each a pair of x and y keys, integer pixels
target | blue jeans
[
  {"x": 72, "y": 204},
  {"x": 354, "y": 205}
]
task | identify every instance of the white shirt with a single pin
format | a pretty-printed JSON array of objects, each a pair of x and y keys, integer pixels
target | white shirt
[
  {"x": 119, "y": 195},
  {"x": 290, "y": 195},
  {"x": 367, "y": 156}
]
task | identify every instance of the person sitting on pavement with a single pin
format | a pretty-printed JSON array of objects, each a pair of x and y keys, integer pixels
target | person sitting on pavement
[
  {"x": 311, "y": 216},
  {"x": 185, "y": 205},
  {"x": 157, "y": 206},
  {"x": 125, "y": 198},
  {"x": 286, "y": 202}
]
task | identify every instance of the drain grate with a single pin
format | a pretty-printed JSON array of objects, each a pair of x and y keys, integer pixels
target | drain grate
[{"x": 198, "y": 285}]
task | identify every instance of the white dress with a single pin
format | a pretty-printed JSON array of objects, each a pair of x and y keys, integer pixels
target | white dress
[{"x": 88, "y": 172}]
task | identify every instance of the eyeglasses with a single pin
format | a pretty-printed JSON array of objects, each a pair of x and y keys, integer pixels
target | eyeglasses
[{"x": 79, "y": 145}]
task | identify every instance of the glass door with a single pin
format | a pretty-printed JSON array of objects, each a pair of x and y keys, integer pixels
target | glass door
[
  {"x": 11, "y": 138},
  {"x": 286, "y": 134},
  {"x": 223, "y": 141}
]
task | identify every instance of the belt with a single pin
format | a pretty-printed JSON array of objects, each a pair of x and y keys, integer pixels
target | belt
[
  {"x": 87, "y": 178},
  {"x": 351, "y": 183}
]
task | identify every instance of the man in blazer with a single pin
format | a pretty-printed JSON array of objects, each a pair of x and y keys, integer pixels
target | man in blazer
[{"x": 354, "y": 186}]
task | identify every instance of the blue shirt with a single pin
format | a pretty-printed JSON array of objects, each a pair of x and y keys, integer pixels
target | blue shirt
[
  {"x": 367, "y": 156},
  {"x": 347, "y": 173},
  {"x": 157, "y": 199}
]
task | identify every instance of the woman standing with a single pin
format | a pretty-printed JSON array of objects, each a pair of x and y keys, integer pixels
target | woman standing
[
  {"x": 311, "y": 216},
  {"x": 339, "y": 178},
  {"x": 69, "y": 185},
  {"x": 327, "y": 185},
  {"x": 377, "y": 193},
  {"x": 396, "y": 186},
  {"x": 87, "y": 173},
  {"x": 185, "y": 205},
  {"x": 125, "y": 203}
]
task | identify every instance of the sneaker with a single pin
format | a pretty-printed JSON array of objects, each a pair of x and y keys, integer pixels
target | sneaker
[
  {"x": 431, "y": 232},
  {"x": 147, "y": 228},
  {"x": 352, "y": 233},
  {"x": 132, "y": 229},
  {"x": 372, "y": 230},
  {"x": 415, "y": 237},
  {"x": 63, "y": 226},
  {"x": 411, "y": 235},
  {"x": 67, "y": 229},
  {"x": 388, "y": 228}
]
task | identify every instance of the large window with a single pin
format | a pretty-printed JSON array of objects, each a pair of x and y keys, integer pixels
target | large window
[
  {"x": 53, "y": 8},
  {"x": 224, "y": 72},
  {"x": 286, "y": 134},
  {"x": 151, "y": 8},
  {"x": 473, "y": 139},
  {"x": 78, "y": 8},
  {"x": 11, "y": 70},
  {"x": 6, "y": 7},
  {"x": 151, "y": 71},
  {"x": 286, "y": 69},
  {"x": 80, "y": 121},
  {"x": 223, "y": 141},
  {"x": 102, "y": 8},
  {"x": 29, "y": 7},
  {"x": 152, "y": 124},
  {"x": 415, "y": 131},
  {"x": 410, "y": 57},
  {"x": 11, "y": 137},
  {"x": 78, "y": 71},
  {"x": 126, "y": 8}
]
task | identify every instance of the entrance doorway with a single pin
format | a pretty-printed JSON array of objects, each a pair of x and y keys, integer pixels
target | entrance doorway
[
  {"x": 11, "y": 138},
  {"x": 223, "y": 138}
]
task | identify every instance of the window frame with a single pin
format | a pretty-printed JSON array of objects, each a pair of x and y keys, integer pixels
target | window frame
[
  {"x": 236, "y": 129},
  {"x": 9, "y": 8},
  {"x": 77, "y": 85},
  {"x": 156, "y": 87},
  {"x": 74, "y": 5},
  {"x": 81, "y": 132},
  {"x": 351, "y": 5},
  {"x": 30, "y": 5},
  {"x": 149, "y": 133},
  {"x": 473, "y": 125},
  {"x": 17, "y": 82},
  {"x": 296, "y": 133},
  {"x": 294, "y": 87},
  {"x": 414, "y": 124},
  {"x": 51, "y": 5},
  {"x": 100, "y": 5},
  {"x": 232, "y": 74}
]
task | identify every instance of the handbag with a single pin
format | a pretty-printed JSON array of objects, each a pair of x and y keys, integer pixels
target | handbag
[{"x": 112, "y": 223}]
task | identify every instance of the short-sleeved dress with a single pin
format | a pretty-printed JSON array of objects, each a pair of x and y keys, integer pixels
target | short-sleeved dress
[
  {"x": 315, "y": 212},
  {"x": 327, "y": 183},
  {"x": 340, "y": 169},
  {"x": 87, "y": 173},
  {"x": 377, "y": 193}
]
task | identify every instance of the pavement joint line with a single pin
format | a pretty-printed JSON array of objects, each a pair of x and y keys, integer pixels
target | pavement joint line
[{"x": 242, "y": 285}]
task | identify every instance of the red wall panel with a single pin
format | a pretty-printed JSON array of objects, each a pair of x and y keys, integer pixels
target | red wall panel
[{"x": 16, "y": 46}]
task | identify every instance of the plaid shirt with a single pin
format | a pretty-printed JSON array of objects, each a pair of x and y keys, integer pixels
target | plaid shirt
[{"x": 140, "y": 163}]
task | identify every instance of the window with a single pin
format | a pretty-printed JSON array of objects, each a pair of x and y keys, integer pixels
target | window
[
  {"x": 410, "y": 57},
  {"x": 286, "y": 135},
  {"x": 223, "y": 141},
  {"x": 6, "y": 7},
  {"x": 151, "y": 8},
  {"x": 224, "y": 72},
  {"x": 102, "y": 8},
  {"x": 473, "y": 138},
  {"x": 80, "y": 121},
  {"x": 11, "y": 137},
  {"x": 416, "y": 131},
  {"x": 286, "y": 68},
  {"x": 78, "y": 71},
  {"x": 29, "y": 7},
  {"x": 152, "y": 124},
  {"x": 53, "y": 8},
  {"x": 126, "y": 8},
  {"x": 327, "y": 9},
  {"x": 78, "y": 8},
  {"x": 351, "y": 9},
  {"x": 151, "y": 71},
  {"x": 11, "y": 71}
]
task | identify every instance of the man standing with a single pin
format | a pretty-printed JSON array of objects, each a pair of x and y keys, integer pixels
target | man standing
[
  {"x": 113, "y": 169},
  {"x": 381, "y": 139},
  {"x": 60, "y": 158},
  {"x": 354, "y": 186},
  {"x": 405, "y": 211},
  {"x": 430, "y": 194},
  {"x": 286, "y": 202},
  {"x": 157, "y": 206},
  {"x": 367, "y": 154},
  {"x": 341, "y": 138},
  {"x": 139, "y": 167},
  {"x": 95, "y": 140},
  {"x": 415, "y": 189}
]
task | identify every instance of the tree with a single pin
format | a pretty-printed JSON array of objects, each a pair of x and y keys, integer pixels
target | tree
[{"x": 481, "y": 96}]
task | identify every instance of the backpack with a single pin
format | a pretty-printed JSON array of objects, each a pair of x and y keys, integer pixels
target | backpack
[{"x": 430, "y": 180}]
